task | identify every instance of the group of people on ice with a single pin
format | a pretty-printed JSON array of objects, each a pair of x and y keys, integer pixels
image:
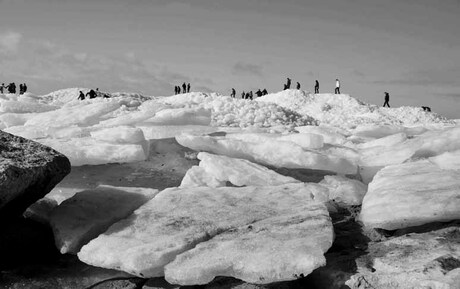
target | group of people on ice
[
  {"x": 287, "y": 85},
  {"x": 11, "y": 88},
  {"x": 92, "y": 94},
  {"x": 185, "y": 88}
]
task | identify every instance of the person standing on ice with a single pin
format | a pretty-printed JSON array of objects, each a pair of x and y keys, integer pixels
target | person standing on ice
[
  {"x": 24, "y": 87},
  {"x": 387, "y": 99},
  {"x": 298, "y": 85},
  {"x": 264, "y": 92},
  {"x": 242, "y": 95},
  {"x": 288, "y": 83},
  {"x": 184, "y": 88},
  {"x": 337, "y": 86},
  {"x": 316, "y": 86},
  {"x": 233, "y": 93},
  {"x": 81, "y": 96},
  {"x": 188, "y": 87},
  {"x": 259, "y": 93},
  {"x": 2, "y": 87},
  {"x": 21, "y": 89}
]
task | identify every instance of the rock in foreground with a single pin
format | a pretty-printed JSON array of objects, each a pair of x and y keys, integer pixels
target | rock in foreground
[
  {"x": 411, "y": 194},
  {"x": 176, "y": 220},
  {"x": 28, "y": 171}
]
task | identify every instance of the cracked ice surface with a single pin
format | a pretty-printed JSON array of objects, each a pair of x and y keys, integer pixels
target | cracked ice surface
[{"x": 176, "y": 220}]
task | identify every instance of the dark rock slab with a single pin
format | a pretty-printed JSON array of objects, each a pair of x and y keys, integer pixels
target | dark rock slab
[{"x": 28, "y": 171}]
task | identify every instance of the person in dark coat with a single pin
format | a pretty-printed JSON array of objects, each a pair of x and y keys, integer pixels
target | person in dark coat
[
  {"x": 12, "y": 88},
  {"x": 2, "y": 87},
  {"x": 387, "y": 99},
  {"x": 21, "y": 89},
  {"x": 24, "y": 88},
  {"x": 247, "y": 95},
  {"x": 251, "y": 95},
  {"x": 184, "y": 88},
  {"x": 298, "y": 86},
  {"x": 81, "y": 96},
  {"x": 92, "y": 94},
  {"x": 264, "y": 92},
  {"x": 233, "y": 93},
  {"x": 316, "y": 86},
  {"x": 259, "y": 93},
  {"x": 288, "y": 83},
  {"x": 243, "y": 94},
  {"x": 188, "y": 87}
]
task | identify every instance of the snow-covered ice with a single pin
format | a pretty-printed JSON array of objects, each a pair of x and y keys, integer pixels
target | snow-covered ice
[
  {"x": 176, "y": 220},
  {"x": 278, "y": 248},
  {"x": 274, "y": 153},
  {"x": 412, "y": 194},
  {"x": 215, "y": 171}
]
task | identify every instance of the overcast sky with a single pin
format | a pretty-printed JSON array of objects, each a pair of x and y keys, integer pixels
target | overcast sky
[{"x": 410, "y": 48}]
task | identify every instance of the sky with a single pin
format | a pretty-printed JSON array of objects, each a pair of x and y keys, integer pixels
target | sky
[{"x": 409, "y": 48}]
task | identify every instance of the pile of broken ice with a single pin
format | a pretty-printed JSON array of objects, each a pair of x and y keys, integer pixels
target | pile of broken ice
[{"x": 233, "y": 214}]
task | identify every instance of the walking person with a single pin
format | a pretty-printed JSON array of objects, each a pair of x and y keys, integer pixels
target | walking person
[
  {"x": 337, "y": 86},
  {"x": 298, "y": 86},
  {"x": 233, "y": 94},
  {"x": 184, "y": 87},
  {"x": 316, "y": 86},
  {"x": 188, "y": 87},
  {"x": 387, "y": 99}
]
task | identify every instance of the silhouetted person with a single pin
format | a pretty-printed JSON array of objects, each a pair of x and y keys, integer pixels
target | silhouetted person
[
  {"x": 184, "y": 88},
  {"x": 288, "y": 83},
  {"x": 316, "y": 86},
  {"x": 12, "y": 88},
  {"x": 233, "y": 93},
  {"x": 426, "y": 108},
  {"x": 264, "y": 92},
  {"x": 91, "y": 94},
  {"x": 2, "y": 87},
  {"x": 298, "y": 86},
  {"x": 175, "y": 89},
  {"x": 251, "y": 95},
  {"x": 188, "y": 87},
  {"x": 337, "y": 86},
  {"x": 24, "y": 87},
  {"x": 243, "y": 94},
  {"x": 259, "y": 93},
  {"x": 387, "y": 99},
  {"x": 81, "y": 96},
  {"x": 285, "y": 87},
  {"x": 247, "y": 95}
]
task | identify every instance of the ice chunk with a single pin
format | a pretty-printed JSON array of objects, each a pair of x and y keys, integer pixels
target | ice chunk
[
  {"x": 304, "y": 140},
  {"x": 30, "y": 132},
  {"x": 25, "y": 107},
  {"x": 83, "y": 114},
  {"x": 169, "y": 131},
  {"x": 274, "y": 153},
  {"x": 15, "y": 119},
  {"x": 411, "y": 194},
  {"x": 119, "y": 135},
  {"x": 386, "y": 141},
  {"x": 88, "y": 151},
  {"x": 447, "y": 161},
  {"x": 331, "y": 135},
  {"x": 182, "y": 116},
  {"x": 176, "y": 220},
  {"x": 278, "y": 248},
  {"x": 89, "y": 213},
  {"x": 344, "y": 190},
  {"x": 198, "y": 177},
  {"x": 220, "y": 169}
]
